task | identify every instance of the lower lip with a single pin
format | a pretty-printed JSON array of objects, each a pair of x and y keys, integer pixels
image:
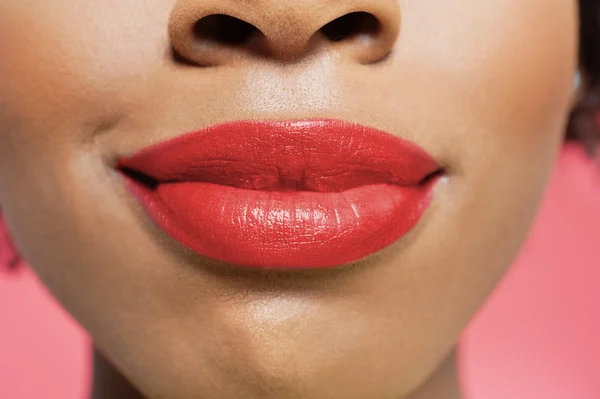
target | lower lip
[{"x": 284, "y": 229}]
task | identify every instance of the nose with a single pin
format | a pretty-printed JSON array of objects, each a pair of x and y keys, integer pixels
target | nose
[{"x": 218, "y": 32}]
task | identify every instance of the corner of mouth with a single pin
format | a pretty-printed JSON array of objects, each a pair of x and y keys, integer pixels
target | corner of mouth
[{"x": 146, "y": 181}]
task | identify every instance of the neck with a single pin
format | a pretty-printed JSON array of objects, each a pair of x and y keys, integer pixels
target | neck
[
  {"x": 442, "y": 384},
  {"x": 108, "y": 383}
]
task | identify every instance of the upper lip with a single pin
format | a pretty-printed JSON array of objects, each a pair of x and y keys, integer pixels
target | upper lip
[{"x": 312, "y": 155}]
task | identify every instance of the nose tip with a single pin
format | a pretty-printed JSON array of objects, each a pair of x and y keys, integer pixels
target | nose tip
[{"x": 217, "y": 32}]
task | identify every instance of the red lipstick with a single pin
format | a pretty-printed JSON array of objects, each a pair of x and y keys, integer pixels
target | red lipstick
[{"x": 300, "y": 194}]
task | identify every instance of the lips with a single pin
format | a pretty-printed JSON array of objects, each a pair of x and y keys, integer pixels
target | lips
[{"x": 300, "y": 194}]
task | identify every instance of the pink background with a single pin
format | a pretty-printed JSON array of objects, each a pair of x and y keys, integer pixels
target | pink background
[{"x": 537, "y": 337}]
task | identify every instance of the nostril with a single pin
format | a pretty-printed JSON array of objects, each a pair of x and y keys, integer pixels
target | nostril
[
  {"x": 223, "y": 29},
  {"x": 351, "y": 25}
]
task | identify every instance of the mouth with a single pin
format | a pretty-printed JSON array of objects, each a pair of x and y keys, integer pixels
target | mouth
[{"x": 284, "y": 195}]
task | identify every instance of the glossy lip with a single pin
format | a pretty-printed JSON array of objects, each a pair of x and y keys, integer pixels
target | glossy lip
[{"x": 294, "y": 194}]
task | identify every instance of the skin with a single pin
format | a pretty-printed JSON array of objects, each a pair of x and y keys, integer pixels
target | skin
[{"x": 485, "y": 87}]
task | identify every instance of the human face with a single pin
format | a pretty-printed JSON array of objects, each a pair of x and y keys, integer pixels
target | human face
[{"x": 483, "y": 87}]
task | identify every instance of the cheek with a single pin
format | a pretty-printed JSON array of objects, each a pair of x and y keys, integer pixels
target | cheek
[
  {"x": 500, "y": 72},
  {"x": 64, "y": 73},
  {"x": 493, "y": 87},
  {"x": 488, "y": 87}
]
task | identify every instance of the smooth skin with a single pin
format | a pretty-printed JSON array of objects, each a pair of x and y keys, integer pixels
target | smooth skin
[{"x": 484, "y": 86}]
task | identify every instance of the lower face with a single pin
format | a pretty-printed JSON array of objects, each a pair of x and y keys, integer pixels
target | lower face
[{"x": 484, "y": 88}]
